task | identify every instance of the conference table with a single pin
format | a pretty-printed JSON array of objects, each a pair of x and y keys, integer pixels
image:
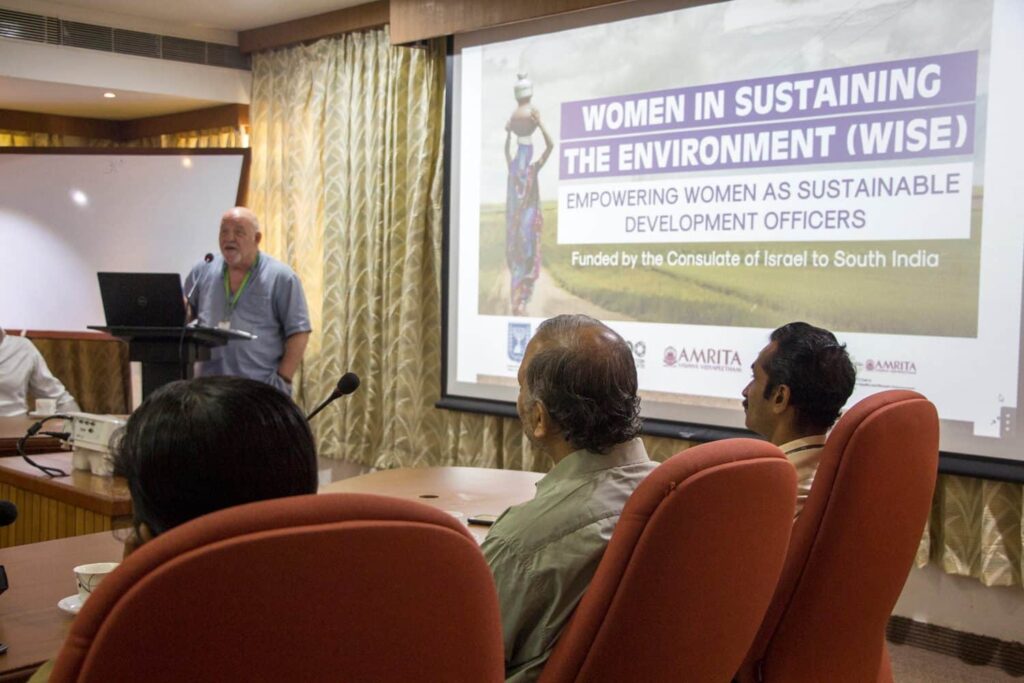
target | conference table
[
  {"x": 13, "y": 428},
  {"x": 40, "y": 573},
  {"x": 55, "y": 507}
]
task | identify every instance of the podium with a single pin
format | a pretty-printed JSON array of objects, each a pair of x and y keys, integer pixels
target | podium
[{"x": 168, "y": 354}]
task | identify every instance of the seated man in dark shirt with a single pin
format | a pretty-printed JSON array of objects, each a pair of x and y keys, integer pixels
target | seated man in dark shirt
[{"x": 801, "y": 380}]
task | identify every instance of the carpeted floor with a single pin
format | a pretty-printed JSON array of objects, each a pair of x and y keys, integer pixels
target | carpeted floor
[{"x": 914, "y": 665}]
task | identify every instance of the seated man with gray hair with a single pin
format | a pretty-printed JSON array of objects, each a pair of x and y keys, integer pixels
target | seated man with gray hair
[{"x": 578, "y": 404}]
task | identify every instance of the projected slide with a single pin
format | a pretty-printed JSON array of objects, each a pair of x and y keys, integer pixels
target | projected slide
[{"x": 698, "y": 177}]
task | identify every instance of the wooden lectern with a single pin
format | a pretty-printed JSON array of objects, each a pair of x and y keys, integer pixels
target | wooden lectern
[{"x": 169, "y": 353}]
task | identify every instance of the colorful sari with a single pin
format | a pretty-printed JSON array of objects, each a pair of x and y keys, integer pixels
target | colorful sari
[{"x": 523, "y": 224}]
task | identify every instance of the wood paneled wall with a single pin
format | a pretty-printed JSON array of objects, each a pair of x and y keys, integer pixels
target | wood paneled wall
[
  {"x": 413, "y": 20},
  {"x": 369, "y": 15}
]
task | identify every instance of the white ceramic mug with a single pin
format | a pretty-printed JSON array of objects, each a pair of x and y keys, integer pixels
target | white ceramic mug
[
  {"x": 88, "y": 576},
  {"x": 46, "y": 406}
]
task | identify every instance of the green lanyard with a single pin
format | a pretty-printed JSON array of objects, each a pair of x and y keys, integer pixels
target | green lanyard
[{"x": 233, "y": 301}]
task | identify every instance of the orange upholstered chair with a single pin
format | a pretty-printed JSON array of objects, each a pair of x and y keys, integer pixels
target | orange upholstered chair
[
  {"x": 690, "y": 569},
  {"x": 852, "y": 547},
  {"x": 335, "y": 587}
]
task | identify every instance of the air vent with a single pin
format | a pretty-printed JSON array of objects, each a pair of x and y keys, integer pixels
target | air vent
[
  {"x": 89, "y": 36},
  {"x": 184, "y": 50},
  {"x": 22, "y": 26},
  {"x": 41, "y": 29},
  {"x": 226, "y": 55},
  {"x": 136, "y": 43},
  {"x": 52, "y": 30}
]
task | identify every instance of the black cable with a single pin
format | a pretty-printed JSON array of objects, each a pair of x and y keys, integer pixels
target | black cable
[{"x": 32, "y": 431}]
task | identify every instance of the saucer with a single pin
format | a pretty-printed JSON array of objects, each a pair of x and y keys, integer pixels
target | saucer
[{"x": 70, "y": 605}]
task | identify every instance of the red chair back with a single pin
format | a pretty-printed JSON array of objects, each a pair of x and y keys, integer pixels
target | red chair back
[
  {"x": 852, "y": 546},
  {"x": 334, "y": 587},
  {"x": 689, "y": 570}
]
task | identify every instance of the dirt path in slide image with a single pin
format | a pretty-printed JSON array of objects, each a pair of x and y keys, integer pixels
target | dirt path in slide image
[{"x": 549, "y": 300}]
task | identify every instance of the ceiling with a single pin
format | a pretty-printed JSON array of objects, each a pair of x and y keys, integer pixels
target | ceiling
[
  {"x": 179, "y": 17},
  {"x": 44, "y": 97}
]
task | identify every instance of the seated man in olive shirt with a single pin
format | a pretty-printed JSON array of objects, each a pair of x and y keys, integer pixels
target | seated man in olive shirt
[{"x": 578, "y": 405}]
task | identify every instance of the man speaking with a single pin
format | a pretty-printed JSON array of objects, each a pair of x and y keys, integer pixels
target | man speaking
[{"x": 247, "y": 290}]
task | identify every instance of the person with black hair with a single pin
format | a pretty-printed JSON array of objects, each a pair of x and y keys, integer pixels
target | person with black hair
[
  {"x": 578, "y": 405},
  {"x": 801, "y": 381},
  {"x": 197, "y": 446}
]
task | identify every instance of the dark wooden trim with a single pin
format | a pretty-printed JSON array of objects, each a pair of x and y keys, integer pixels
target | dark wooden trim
[
  {"x": 53, "y": 124},
  {"x": 414, "y": 20},
  {"x": 225, "y": 116},
  {"x": 61, "y": 334},
  {"x": 358, "y": 18},
  {"x": 242, "y": 197}
]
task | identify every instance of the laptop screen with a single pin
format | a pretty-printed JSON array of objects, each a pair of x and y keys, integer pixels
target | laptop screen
[{"x": 142, "y": 299}]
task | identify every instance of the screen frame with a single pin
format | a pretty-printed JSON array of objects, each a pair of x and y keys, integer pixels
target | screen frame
[
  {"x": 241, "y": 195},
  {"x": 960, "y": 464}
]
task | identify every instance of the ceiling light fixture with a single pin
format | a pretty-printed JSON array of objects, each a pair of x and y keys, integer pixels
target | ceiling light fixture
[{"x": 110, "y": 95}]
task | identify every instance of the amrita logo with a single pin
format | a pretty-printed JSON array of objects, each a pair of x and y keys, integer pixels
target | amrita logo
[
  {"x": 898, "y": 367},
  {"x": 706, "y": 358}
]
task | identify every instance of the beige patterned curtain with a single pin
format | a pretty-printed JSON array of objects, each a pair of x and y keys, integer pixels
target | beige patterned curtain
[
  {"x": 976, "y": 529},
  {"x": 17, "y": 138},
  {"x": 196, "y": 139},
  {"x": 346, "y": 179}
]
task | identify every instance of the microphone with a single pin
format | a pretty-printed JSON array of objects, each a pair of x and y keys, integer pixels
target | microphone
[
  {"x": 348, "y": 383},
  {"x": 206, "y": 259},
  {"x": 8, "y": 513}
]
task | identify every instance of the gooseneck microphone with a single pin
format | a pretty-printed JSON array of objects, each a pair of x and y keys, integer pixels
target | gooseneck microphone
[
  {"x": 8, "y": 513},
  {"x": 348, "y": 383},
  {"x": 206, "y": 259}
]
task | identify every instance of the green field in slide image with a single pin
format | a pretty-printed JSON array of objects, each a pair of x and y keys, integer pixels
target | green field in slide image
[{"x": 927, "y": 301}]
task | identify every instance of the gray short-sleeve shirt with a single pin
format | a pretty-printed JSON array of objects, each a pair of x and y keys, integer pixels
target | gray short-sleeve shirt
[{"x": 272, "y": 306}]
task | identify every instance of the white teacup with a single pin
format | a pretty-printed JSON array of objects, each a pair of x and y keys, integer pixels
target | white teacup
[
  {"x": 46, "y": 406},
  {"x": 89, "y": 576}
]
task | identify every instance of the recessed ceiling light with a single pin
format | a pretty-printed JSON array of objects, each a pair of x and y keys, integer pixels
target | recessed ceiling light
[
  {"x": 79, "y": 197},
  {"x": 110, "y": 95},
  {"x": 186, "y": 162}
]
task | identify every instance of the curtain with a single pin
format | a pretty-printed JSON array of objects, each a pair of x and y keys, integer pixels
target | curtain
[
  {"x": 976, "y": 530},
  {"x": 346, "y": 179},
  {"x": 17, "y": 138},
  {"x": 196, "y": 139}
]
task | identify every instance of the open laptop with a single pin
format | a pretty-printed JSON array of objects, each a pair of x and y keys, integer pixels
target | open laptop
[{"x": 142, "y": 299}]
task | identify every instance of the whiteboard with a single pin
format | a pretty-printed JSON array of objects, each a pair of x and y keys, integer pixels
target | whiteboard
[{"x": 64, "y": 216}]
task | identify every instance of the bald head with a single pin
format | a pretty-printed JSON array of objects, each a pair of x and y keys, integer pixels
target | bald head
[
  {"x": 584, "y": 374},
  {"x": 241, "y": 214},
  {"x": 239, "y": 237}
]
